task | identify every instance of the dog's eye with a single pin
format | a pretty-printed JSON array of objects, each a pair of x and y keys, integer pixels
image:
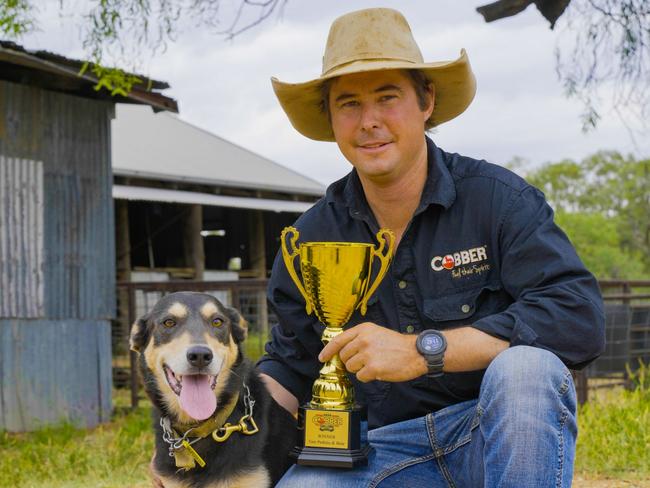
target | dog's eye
[
  {"x": 169, "y": 323},
  {"x": 217, "y": 322}
]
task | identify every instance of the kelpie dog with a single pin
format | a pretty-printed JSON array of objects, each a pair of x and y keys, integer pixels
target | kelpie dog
[{"x": 216, "y": 424}]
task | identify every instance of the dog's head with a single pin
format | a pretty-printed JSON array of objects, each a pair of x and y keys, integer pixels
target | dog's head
[{"x": 188, "y": 344}]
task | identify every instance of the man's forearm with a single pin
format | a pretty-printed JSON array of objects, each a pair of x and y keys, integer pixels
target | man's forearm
[
  {"x": 280, "y": 394},
  {"x": 469, "y": 349}
]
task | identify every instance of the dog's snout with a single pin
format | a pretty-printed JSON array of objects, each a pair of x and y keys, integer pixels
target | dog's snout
[{"x": 199, "y": 356}]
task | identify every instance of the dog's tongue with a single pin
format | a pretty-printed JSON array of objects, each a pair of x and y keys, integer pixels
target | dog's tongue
[{"x": 197, "y": 398}]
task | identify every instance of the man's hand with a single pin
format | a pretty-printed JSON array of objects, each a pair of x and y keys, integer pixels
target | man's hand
[{"x": 373, "y": 352}]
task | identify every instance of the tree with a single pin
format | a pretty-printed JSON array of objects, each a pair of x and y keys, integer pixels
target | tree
[
  {"x": 603, "y": 203},
  {"x": 597, "y": 240}
]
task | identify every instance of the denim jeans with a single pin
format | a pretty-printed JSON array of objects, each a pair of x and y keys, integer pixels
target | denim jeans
[{"x": 520, "y": 432}]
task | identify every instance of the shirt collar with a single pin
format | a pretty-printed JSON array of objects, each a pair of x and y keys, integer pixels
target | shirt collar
[{"x": 439, "y": 188}]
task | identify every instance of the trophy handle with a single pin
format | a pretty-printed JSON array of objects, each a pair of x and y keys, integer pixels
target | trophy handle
[
  {"x": 386, "y": 238},
  {"x": 289, "y": 257}
]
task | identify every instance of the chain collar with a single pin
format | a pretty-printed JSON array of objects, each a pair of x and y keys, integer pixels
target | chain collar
[{"x": 180, "y": 447}]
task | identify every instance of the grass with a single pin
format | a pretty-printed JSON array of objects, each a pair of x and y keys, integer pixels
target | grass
[
  {"x": 111, "y": 455},
  {"x": 614, "y": 444},
  {"x": 254, "y": 345},
  {"x": 614, "y": 438}
]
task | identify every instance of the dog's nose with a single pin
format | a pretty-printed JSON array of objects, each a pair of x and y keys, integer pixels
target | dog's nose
[{"x": 199, "y": 356}]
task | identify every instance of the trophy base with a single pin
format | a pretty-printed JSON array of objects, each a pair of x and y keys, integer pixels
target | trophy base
[
  {"x": 331, "y": 458},
  {"x": 331, "y": 438}
]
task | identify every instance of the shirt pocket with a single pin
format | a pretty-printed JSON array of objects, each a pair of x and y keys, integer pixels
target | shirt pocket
[
  {"x": 454, "y": 310},
  {"x": 462, "y": 307}
]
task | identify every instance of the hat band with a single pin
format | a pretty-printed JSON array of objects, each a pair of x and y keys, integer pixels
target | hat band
[{"x": 347, "y": 63}]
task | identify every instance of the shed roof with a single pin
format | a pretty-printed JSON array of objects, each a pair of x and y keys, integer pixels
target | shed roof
[
  {"x": 55, "y": 72},
  {"x": 123, "y": 192},
  {"x": 163, "y": 147}
]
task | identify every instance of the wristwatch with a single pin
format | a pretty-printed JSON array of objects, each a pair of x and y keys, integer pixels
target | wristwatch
[{"x": 431, "y": 344}]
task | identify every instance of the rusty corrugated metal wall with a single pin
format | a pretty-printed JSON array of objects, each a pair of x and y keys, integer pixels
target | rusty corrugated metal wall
[
  {"x": 21, "y": 238},
  {"x": 57, "y": 260}
]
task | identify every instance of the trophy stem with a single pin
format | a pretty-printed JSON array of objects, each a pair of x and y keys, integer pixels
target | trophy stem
[{"x": 333, "y": 389}]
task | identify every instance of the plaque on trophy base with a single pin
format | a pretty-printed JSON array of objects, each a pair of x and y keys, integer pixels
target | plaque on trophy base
[{"x": 331, "y": 438}]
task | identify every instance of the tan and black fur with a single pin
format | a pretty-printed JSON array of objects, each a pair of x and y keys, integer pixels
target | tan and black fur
[{"x": 167, "y": 339}]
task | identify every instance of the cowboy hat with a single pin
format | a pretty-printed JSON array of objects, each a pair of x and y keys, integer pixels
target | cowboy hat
[{"x": 371, "y": 40}]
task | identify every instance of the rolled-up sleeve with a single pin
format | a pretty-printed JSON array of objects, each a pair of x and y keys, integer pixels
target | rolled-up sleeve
[
  {"x": 291, "y": 353},
  {"x": 557, "y": 302}
]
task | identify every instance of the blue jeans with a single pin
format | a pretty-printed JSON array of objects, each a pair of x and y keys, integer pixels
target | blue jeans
[{"x": 520, "y": 433}]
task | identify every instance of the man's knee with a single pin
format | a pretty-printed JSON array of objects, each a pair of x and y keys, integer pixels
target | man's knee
[{"x": 524, "y": 372}]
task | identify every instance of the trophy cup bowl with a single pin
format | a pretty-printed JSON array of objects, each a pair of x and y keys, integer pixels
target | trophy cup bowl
[{"x": 336, "y": 280}]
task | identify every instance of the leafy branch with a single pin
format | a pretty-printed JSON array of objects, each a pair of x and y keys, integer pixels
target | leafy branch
[
  {"x": 16, "y": 18},
  {"x": 611, "y": 48}
]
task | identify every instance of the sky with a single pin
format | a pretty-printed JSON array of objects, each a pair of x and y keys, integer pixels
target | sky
[{"x": 223, "y": 86}]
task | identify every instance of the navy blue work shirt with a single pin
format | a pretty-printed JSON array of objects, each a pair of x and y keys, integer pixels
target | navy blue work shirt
[{"x": 481, "y": 250}]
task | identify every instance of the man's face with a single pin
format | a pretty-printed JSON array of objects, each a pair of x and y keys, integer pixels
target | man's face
[{"x": 378, "y": 123}]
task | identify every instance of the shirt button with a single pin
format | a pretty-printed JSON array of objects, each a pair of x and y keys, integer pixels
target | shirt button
[
  {"x": 410, "y": 329},
  {"x": 465, "y": 308},
  {"x": 402, "y": 284}
]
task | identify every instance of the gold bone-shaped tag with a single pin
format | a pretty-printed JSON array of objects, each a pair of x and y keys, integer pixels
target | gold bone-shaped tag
[{"x": 194, "y": 454}]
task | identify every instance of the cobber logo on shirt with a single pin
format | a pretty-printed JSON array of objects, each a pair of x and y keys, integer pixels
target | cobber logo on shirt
[{"x": 450, "y": 261}]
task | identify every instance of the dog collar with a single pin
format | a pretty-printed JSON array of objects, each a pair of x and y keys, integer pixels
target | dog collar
[{"x": 180, "y": 447}]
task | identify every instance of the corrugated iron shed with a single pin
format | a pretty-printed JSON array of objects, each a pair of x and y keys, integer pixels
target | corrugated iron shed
[{"x": 57, "y": 251}]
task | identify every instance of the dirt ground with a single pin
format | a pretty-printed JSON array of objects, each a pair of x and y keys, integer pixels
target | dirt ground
[{"x": 585, "y": 482}]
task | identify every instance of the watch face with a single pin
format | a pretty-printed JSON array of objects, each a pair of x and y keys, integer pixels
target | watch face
[{"x": 431, "y": 343}]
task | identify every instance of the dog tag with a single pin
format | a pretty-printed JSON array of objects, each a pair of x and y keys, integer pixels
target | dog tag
[{"x": 194, "y": 454}]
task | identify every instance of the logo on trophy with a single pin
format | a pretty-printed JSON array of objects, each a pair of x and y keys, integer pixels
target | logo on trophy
[{"x": 336, "y": 280}]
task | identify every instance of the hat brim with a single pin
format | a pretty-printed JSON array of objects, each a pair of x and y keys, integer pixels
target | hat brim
[{"x": 454, "y": 82}]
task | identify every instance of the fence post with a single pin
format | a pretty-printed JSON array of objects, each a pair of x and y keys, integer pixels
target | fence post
[
  {"x": 133, "y": 359},
  {"x": 582, "y": 385},
  {"x": 627, "y": 291}
]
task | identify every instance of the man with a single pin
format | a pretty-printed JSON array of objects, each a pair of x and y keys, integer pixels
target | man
[{"x": 479, "y": 268}]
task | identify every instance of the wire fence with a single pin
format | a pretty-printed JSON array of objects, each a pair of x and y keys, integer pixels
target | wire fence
[{"x": 627, "y": 335}]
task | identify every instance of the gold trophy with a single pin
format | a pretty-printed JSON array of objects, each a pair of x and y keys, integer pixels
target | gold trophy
[{"x": 336, "y": 281}]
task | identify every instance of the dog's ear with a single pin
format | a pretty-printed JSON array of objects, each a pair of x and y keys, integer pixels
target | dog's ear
[
  {"x": 239, "y": 324},
  {"x": 139, "y": 334}
]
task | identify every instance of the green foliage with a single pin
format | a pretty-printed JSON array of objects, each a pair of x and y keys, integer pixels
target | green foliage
[
  {"x": 597, "y": 240},
  {"x": 640, "y": 377},
  {"x": 603, "y": 203},
  {"x": 114, "y": 80},
  {"x": 16, "y": 18}
]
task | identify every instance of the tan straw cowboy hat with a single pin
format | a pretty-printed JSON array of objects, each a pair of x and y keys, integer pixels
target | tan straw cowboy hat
[{"x": 371, "y": 40}]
